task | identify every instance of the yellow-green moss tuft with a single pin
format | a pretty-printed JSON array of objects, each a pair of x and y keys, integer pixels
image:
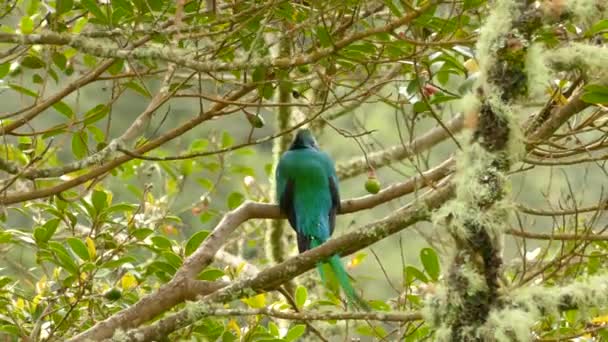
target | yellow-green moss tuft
[
  {"x": 509, "y": 325},
  {"x": 539, "y": 74},
  {"x": 594, "y": 58},
  {"x": 587, "y": 11},
  {"x": 492, "y": 34}
]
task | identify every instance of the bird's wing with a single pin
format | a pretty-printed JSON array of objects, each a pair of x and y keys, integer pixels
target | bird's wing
[
  {"x": 286, "y": 202},
  {"x": 334, "y": 190},
  {"x": 335, "y": 203},
  {"x": 287, "y": 206}
]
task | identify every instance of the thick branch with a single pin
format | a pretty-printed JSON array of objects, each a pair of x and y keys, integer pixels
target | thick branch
[{"x": 319, "y": 315}]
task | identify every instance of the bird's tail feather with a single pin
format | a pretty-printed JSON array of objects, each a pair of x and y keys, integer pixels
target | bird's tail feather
[{"x": 342, "y": 277}]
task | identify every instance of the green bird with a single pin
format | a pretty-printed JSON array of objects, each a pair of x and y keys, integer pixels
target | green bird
[{"x": 307, "y": 189}]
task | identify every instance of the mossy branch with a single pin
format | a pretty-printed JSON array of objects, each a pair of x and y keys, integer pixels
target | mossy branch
[{"x": 476, "y": 217}]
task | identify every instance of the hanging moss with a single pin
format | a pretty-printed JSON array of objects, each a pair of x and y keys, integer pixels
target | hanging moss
[{"x": 537, "y": 71}]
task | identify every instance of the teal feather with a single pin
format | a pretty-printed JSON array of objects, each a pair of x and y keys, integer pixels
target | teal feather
[{"x": 307, "y": 187}]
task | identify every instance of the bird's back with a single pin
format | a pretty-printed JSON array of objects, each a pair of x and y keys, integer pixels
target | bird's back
[{"x": 310, "y": 171}]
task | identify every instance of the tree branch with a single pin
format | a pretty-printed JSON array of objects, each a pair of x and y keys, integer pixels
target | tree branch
[{"x": 319, "y": 315}]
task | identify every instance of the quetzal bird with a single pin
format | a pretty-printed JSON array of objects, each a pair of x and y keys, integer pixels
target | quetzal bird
[{"x": 307, "y": 189}]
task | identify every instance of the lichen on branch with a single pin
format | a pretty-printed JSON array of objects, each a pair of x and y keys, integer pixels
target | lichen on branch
[{"x": 475, "y": 218}]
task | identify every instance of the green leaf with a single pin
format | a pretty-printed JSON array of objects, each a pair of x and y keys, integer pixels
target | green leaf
[
  {"x": 98, "y": 136},
  {"x": 89, "y": 61},
  {"x": 32, "y": 6},
  {"x": 266, "y": 90},
  {"x": 161, "y": 242},
  {"x": 79, "y": 25},
  {"x": 172, "y": 259},
  {"x": 6, "y": 237},
  {"x": 63, "y": 258},
  {"x": 161, "y": 266},
  {"x": 595, "y": 88},
  {"x": 228, "y": 336},
  {"x": 37, "y": 79},
  {"x": 11, "y": 330},
  {"x": 91, "y": 6},
  {"x": 40, "y": 235},
  {"x": 259, "y": 74},
  {"x": 235, "y": 199},
  {"x": 301, "y": 296},
  {"x": 594, "y": 262},
  {"x": 142, "y": 233},
  {"x": 206, "y": 216},
  {"x": 420, "y": 107},
  {"x": 412, "y": 273},
  {"x": 379, "y": 305},
  {"x": 294, "y": 333},
  {"x": 23, "y": 90},
  {"x": 597, "y": 27},
  {"x": 64, "y": 109},
  {"x": 138, "y": 89},
  {"x": 393, "y": 8},
  {"x": 199, "y": 145},
  {"x": 211, "y": 274},
  {"x": 375, "y": 331},
  {"x": 244, "y": 170},
  {"x": 4, "y": 69},
  {"x": 205, "y": 183},
  {"x": 195, "y": 240},
  {"x": 121, "y": 207},
  {"x": 603, "y": 334},
  {"x": 116, "y": 67},
  {"x": 273, "y": 329},
  {"x": 365, "y": 48},
  {"x": 26, "y": 25},
  {"x": 227, "y": 140},
  {"x": 430, "y": 261},
  {"x": 32, "y": 62},
  {"x": 50, "y": 227},
  {"x": 95, "y": 114},
  {"x": 63, "y": 6},
  {"x": 79, "y": 144},
  {"x": 124, "y": 4},
  {"x": 100, "y": 200},
  {"x": 595, "y": 98},
  {"x": 119, "y": 14},
  {"x": 323, "y": 36},
  {"x": 5, "y": 281},
  {"x": 79, "y": 248}
]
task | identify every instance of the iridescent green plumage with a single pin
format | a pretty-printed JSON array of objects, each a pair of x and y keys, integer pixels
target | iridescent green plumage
[{"x": 307, "y": 188}]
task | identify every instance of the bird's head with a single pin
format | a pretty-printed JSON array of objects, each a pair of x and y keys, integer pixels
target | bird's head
[{"x": 303, "y": 139}]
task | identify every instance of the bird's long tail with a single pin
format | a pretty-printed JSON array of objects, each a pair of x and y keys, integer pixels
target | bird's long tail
[{"x": 343, "y": 279}]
